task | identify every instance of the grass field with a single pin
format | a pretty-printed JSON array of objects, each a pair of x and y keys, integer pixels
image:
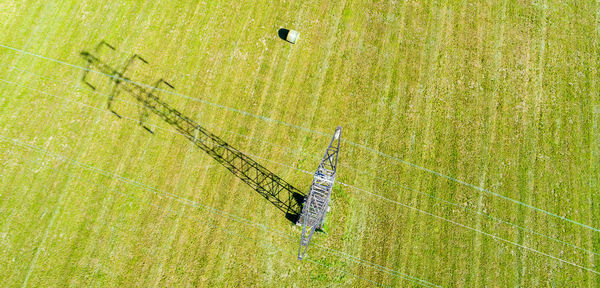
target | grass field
[{"x": 470, "y": 152}]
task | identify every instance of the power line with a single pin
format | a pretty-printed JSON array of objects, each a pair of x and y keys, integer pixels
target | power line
[
  {"x": 329, "y": 266},
  {"x": 421, "y": 210},
  {"x": 307, "y": 172},
  {"x": 81, "y": 88},
  {"x": 497, "y": 219},
  {"x": 381, "y": 198},
  {"x": 476, "y": 230},
  {"x": 231, "y": 232},
  {"x": 480, "y": 189},
  {"x": 186, "y": 201},
  {"x": 193, "y": 203}
]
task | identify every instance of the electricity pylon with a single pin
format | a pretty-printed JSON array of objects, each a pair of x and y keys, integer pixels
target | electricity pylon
[{"x": 316, "y": 203}]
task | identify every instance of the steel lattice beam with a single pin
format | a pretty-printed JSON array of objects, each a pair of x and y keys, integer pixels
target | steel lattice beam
[{"x": 316, "y": 203}]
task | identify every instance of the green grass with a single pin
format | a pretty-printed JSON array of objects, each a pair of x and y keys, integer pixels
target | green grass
[{"x": 498, "y": 94}]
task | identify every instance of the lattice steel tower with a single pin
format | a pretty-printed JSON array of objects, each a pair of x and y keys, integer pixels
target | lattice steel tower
[{"x": 316, "y": 204}]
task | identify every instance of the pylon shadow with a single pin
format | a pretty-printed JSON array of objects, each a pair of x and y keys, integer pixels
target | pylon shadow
[{"x": 280, "y": 193}]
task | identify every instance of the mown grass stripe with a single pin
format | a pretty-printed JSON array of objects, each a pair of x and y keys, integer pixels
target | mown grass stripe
[
  {"x": 499, "y": 220},
  {"x": 480, "y": 189},
  {"x": 149, "y": 188}
]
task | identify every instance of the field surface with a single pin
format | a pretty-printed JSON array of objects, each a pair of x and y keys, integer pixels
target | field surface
[{"x": 470, "y": 152}]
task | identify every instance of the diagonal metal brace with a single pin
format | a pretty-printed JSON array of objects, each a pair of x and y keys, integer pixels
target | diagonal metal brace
[{"x": 316, "y": 204}]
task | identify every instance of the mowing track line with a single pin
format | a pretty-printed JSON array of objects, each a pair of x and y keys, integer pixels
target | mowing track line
[
  {"x": 195, "y": 204},
  {"x": 499, "y": 220},
  {"x": 480, "y": 189}
]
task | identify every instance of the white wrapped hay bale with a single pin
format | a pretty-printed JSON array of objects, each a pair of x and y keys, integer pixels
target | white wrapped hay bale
[{"x": 292, "y": 36}]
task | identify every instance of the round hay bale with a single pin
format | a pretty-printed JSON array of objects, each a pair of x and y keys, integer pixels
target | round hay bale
[{"x": 292, "y": 36}]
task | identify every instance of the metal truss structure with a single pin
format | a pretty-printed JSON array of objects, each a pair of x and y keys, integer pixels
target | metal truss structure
[{"x": 316, "y": 204}]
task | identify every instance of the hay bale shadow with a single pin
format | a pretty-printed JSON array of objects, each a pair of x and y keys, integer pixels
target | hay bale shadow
[{"x": 283, "y": 33}]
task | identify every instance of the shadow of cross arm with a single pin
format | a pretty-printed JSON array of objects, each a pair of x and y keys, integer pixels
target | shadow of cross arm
[{"x": 281, "y": 194}]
